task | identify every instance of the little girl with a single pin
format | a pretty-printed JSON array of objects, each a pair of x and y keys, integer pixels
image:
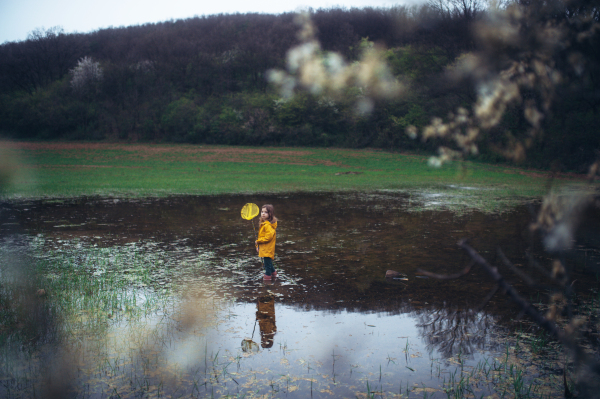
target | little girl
[{"x": 265, "y": 244}]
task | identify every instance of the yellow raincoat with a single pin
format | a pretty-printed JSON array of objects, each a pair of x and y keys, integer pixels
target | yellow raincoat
[{"x": 266, "y": 239}]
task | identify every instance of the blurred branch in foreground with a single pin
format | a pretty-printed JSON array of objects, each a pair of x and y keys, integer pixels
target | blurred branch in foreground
[
  {"x": 531, "y": 59},
  {"x": 320, "y": 72}
]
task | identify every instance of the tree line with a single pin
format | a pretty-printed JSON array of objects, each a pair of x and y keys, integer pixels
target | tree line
[{"x": 203, "y": 80}]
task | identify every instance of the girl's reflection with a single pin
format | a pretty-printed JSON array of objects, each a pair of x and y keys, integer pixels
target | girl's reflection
[{"x": 266, "y": 320}]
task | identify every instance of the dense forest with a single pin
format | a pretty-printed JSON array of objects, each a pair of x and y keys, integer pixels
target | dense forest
[{"x": 203, "y": 80}]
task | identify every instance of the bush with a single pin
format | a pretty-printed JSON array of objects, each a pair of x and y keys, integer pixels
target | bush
[{"x": 182, "y": 121}]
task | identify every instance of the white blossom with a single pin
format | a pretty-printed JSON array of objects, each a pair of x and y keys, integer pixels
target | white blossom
[{"x": 85, "y": 72}]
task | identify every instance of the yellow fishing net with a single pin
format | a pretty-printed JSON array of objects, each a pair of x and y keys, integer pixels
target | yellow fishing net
[{"x": 250, "y": 211}]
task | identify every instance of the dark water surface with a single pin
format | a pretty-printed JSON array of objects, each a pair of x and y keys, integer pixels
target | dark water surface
[{"x": 330, "y": 324}]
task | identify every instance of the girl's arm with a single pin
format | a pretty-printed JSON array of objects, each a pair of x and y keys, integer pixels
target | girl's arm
[{"x": 265, "y": 234}]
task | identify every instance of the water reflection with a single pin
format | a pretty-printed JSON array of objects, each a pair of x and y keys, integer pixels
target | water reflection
[
  {"x": 453, "y": 331},
  {"x": 249, "y": 346},
  {"x": 333, "y": 250},
  {"x": 340, "y": 321},
  {"x": 265, "y": 315}
]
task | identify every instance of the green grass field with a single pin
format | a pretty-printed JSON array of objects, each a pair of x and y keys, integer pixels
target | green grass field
[{"x": 139, "y": 170}]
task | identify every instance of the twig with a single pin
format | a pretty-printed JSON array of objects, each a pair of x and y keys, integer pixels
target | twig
[
  {"x": 488, "y": 298},
  {"x": 540, "y": 268},
  {"x": 512, "y": 267}
]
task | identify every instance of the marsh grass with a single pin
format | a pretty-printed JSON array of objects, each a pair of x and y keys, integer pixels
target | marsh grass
[
  {"x": 107, "y": 319},
  {"x": 122, "y": 170}
]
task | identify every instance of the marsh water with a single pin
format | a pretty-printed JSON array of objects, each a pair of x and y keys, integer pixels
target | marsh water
[{"x": 329, "y": 325}]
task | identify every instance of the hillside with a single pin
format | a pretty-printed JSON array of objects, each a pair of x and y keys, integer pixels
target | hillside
[{"x": 203, "y": 80}]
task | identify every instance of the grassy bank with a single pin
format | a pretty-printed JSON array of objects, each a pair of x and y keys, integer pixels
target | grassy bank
[{"x": 124, "y": 170}]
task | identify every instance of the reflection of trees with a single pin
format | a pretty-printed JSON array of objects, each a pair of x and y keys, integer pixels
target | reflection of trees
[{"x": 452, "y": 331}]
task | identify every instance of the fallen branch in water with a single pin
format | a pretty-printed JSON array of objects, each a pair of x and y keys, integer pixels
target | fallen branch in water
[
  {"x": 465, "y": 271},
  {"x": 566, "y": 336}
]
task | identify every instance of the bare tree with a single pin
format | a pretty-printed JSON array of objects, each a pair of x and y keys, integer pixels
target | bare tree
[
  {"x": 455, "y": 21},
  {"x": 43, "y": 58},
  {"x": 467, "y": 10}
]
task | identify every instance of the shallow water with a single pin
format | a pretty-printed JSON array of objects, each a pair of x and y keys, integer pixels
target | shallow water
[{"x": 329, "y": 324}]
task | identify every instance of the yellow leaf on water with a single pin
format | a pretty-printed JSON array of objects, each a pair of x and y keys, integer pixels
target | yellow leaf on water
[{"x": 425, "y": 390}]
